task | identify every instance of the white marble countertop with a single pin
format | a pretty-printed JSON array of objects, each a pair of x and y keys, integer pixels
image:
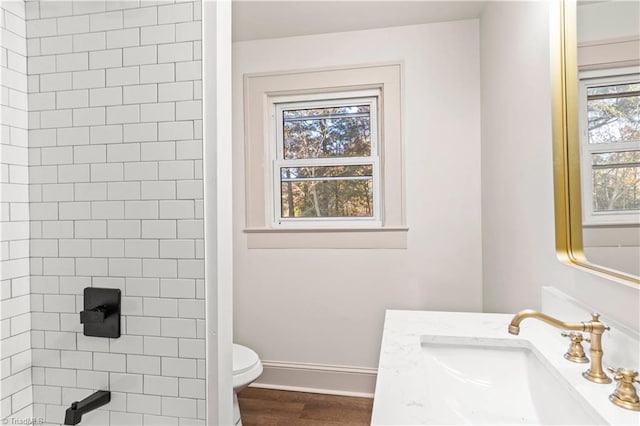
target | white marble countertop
[{"x": 400, "y": 387}]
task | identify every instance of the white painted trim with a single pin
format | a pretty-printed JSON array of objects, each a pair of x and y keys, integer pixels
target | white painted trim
[
  {"x": 224, "y": 198},
  {"x": 320, "y": 367},
  {"x": 352, "y": 229},
  {"x": 588, "y": 74},
  {"x": 312, "y": 390},
  {"x": 318, "y": 378},
  {"x": 606, "y": 54},
  {"x": 354, "y": 238},
  {"x": 216, "y": 83},
  {"x": 326, "y": 68}
]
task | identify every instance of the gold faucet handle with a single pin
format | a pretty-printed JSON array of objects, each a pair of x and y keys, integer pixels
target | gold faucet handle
[
  {"x": 575, "y": 353},
  {"x": 574, "y": 335},
  {"x": 625, "y": 395},
  {"x": 622, "y": 374}
]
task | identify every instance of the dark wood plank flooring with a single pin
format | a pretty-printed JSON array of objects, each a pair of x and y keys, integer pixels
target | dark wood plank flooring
[{"x": 267, "y": 407}]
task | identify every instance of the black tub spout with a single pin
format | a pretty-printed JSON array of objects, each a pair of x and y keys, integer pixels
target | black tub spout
[{"x": 73, "y": 415}]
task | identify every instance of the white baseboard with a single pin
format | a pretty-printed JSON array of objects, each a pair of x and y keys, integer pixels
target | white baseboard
[{"x": 317, "y": 378}]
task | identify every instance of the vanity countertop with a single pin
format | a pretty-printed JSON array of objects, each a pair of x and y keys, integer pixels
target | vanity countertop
[{"x": 401, "y": 384}]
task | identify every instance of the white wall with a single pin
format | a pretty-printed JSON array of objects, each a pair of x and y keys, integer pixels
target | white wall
[
  {"x": 15, "y": 368},
  {"x": 607, "y": 20},
  {"x": 616, "y": 247},
  {"x": 327, "y": 306},
  {"x": 117, "y": 201},
  {"x": 517, "y": 172}
]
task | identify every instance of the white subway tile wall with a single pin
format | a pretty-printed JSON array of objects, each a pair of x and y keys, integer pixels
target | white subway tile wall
[
  {"x": 115, "y": 162},
  {"x": 16, "y": 392}
]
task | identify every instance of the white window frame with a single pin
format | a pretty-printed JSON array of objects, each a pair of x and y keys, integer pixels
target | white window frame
[
  {"x": 388, "y": 229},
  {"x": 280, "y": 104},
  {"x": 588, "y": 79}
]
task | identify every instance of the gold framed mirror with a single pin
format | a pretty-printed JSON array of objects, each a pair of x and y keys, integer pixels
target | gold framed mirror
[{"x": 596, "y": 76}]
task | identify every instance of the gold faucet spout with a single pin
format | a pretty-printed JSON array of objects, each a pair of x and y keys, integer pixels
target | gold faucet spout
[
  {"x": 594, "y": 327},
  {"x": 514, "y": 327}
]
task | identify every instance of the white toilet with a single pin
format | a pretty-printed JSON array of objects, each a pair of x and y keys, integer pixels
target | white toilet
[{"x": 246, "y": 368}]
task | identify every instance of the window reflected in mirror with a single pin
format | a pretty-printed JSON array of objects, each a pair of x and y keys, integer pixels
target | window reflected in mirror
[
  {"x": 608, "y": 75},
  {"x": 610, "y": 144}
]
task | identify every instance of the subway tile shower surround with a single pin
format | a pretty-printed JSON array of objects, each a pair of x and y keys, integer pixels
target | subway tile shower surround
[{"x": 115, "y": 195}]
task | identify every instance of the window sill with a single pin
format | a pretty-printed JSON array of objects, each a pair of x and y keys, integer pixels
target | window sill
[
  {"x": 347, "y": 238},
  {"x": 626, "y": 221}
]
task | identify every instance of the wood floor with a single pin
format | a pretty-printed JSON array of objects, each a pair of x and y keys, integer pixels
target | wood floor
[{"x": 266, "y": 407}]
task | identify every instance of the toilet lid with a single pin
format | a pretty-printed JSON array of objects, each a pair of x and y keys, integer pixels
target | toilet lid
[{"x": 243, "y": 359}]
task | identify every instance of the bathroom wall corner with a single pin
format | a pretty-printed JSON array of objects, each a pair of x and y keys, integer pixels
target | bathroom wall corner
[{"x": 15, "y": 302}]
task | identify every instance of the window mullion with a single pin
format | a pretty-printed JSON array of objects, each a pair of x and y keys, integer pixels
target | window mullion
[
  {"x": 323, "y": 162},
  {"x": 613, "y": 147}
]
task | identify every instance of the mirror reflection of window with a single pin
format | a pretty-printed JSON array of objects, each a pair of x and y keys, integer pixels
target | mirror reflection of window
[
  {"x": 609, "y": 117},
  {"x": 610, "y": 144}
]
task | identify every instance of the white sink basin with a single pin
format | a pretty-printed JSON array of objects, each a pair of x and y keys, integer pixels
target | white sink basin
[{"x": 498, "y": 381}]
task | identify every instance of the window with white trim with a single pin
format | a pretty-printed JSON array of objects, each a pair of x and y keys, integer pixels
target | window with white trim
[
  {"x": 326, "y": 166},
  {"x": 610, "y": 146},
  {"x": 323, "y": 158}
]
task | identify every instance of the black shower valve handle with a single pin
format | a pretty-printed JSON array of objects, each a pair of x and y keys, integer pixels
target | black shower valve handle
[{"x": 95, "y": 315}]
